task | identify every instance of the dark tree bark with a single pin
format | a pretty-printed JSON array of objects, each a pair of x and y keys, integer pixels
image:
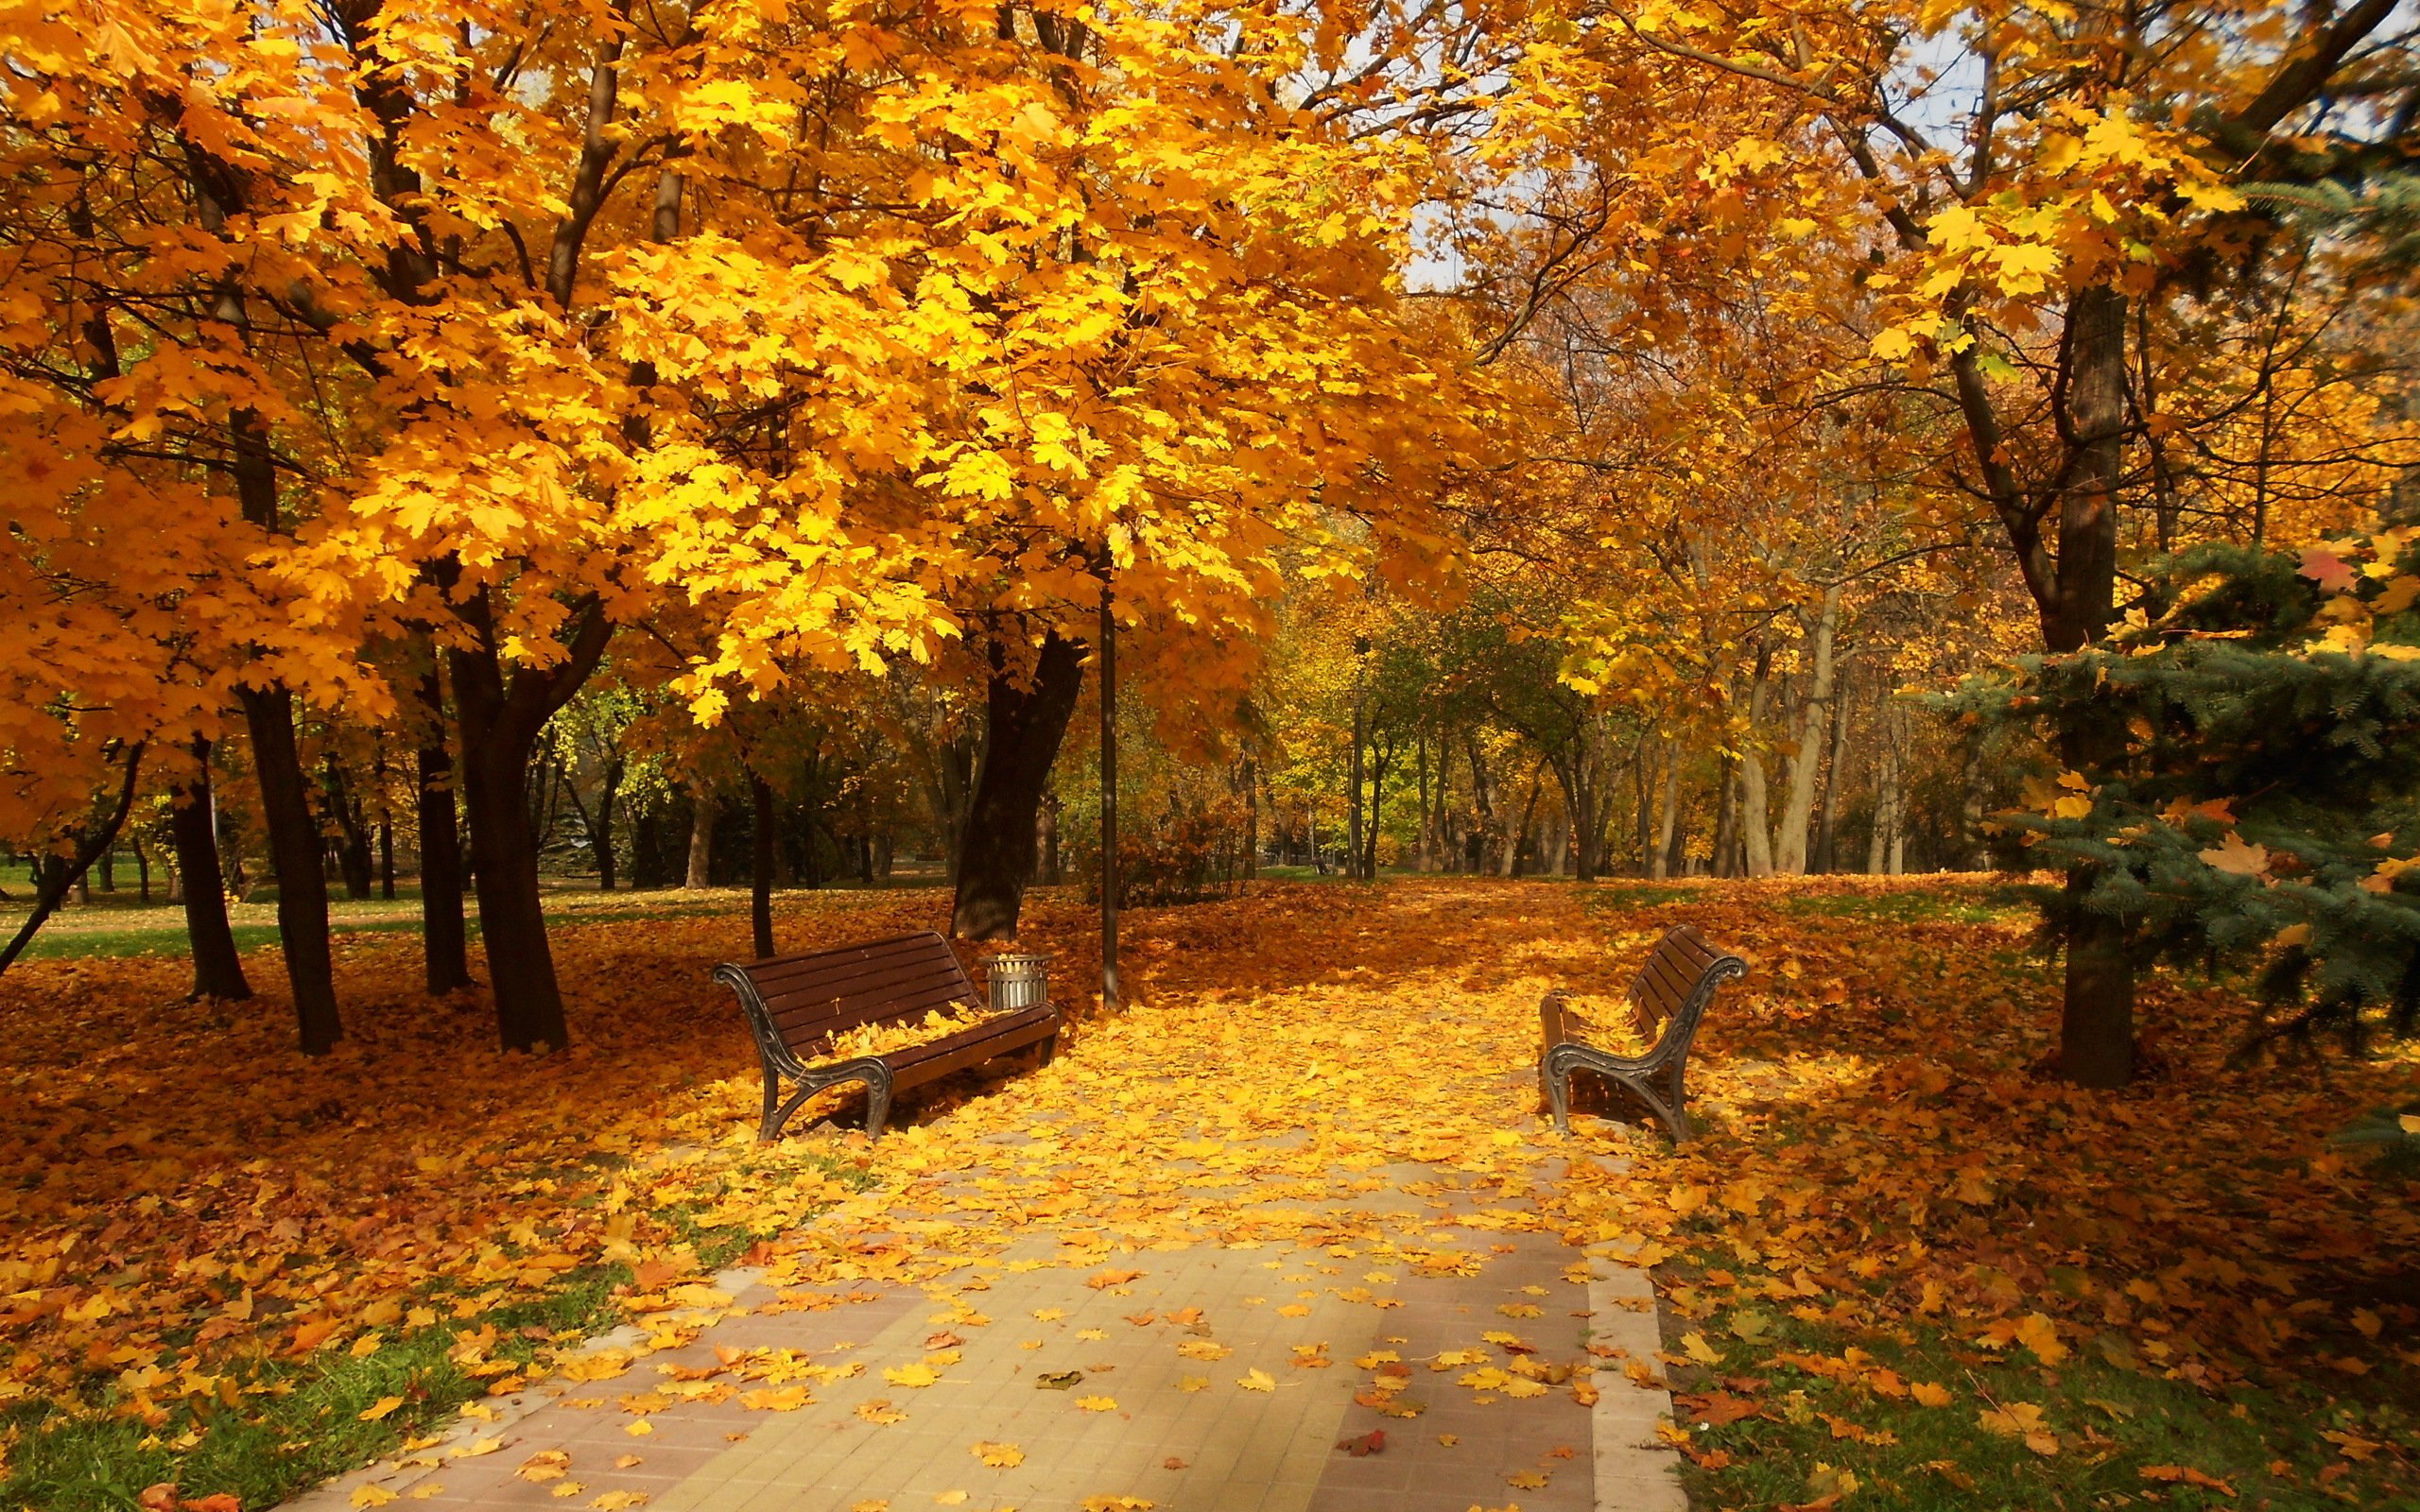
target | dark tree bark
[
  {"x": 444, "y": 942},
  {"x": 294, "y": 856},
  {"x": 353, "y": 833},
  {"x": 2097, "y": 1022},
  {"x": 702, "y": 839},
  {"x": 59, "y": 872},
  {"x": 500, "y": 717},
  {"x": 217, "y": 969},
  {"x": 385, "y": 823},
  {"x": 1028, "y": 720},
  {"x": 760, "y": 865},
  {"x": 1352, "y": 784}
]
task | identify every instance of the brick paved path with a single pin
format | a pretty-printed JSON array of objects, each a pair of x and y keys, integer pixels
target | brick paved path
[{"x": 1161, "y": 1415}]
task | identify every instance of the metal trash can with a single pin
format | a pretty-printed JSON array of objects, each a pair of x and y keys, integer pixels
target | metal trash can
[{"x": 1019, "y": 980}]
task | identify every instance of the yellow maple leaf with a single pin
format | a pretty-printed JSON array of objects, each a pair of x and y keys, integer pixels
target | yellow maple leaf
[
  {"x": 783, "y": 1399},
  {"x": 999, "y": 1456},
  {"x": 2039, "y": 1335},
  {"x": 366, "y": 1495},
  {"x": 1097, "y": 1403},
  {"x": 379, "y": 1409},
  {"x": 1257, "y": 1380},
  {"x": 918, "y": 1374},
  {"x": 545, "y": 1464}
]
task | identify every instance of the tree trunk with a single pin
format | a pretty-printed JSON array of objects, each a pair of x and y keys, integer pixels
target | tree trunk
[
  {"x": 1027, "y": 722},
  {"x": 1724, "y": 860},
  {"x": 58, "y": 872},
  {"x": 444, "y": 941},
  {"x": 353, "y": 834},
  {"x": 1050, "y": 867},
  {"x": 294, "y": 856},
  {"x": 193, "y": 826},
  {"x": 1251, "y": 820},
  {"x": 2096, "y": 1024},
  {"x": 1974, "y": 851},
  {"x": 1353, "y": 795},
  {"x": 1836, "y": 772},
  {"x": 386, "y": 822},
  {"x": 1579, "y": 804},
  {"x": 1807, "y": 761},
  {"x": 1489, "y": 833},
  {"x": 1668, "y": 843},
  {"x": 1883, "y": 846},
  {"x": 1754, "y": 824},
  {"x": 500, "y": 721},
  {"x": 1519, "y": 840},
  {"x": 1377, "y": 767},
  {"x": 2096, "y": 1035},
  {"x": 701, "y": 840},
  {"x": 600, "y": 839},
  {"x": 760, "y": 867}
]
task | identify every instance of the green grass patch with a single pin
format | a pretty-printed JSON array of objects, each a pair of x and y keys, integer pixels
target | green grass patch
[
  {"x": 294, "y": 1423},
  {"x": 1628, "y": 895},
  {"x": 1950, "y": 904},
  {"x": 2086, "y": 1433}
]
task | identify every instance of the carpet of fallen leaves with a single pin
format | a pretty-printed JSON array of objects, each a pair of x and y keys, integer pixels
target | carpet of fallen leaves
[{"x": 183, "y": 1197}]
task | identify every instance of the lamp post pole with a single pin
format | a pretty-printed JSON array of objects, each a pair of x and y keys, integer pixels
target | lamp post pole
[{"x": 1109, "y": 994}]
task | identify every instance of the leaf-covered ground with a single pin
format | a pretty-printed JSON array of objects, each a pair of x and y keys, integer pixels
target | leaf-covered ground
[{"x": 1900, "y": 1267}]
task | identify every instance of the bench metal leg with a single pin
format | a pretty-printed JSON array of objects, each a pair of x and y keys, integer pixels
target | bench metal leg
[
  {"x": 1638, "y": 1079},
  {"x": 775, "y": 1119},
  {"x": 877, "y": 1104}
]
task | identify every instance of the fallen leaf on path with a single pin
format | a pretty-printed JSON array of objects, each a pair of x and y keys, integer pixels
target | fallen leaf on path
[{"x": 545, "y": 1464}]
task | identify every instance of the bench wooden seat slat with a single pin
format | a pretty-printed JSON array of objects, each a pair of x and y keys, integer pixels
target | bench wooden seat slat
[
  {"x": 795, "y": 1004},
  {"x": 1674, "y": 987}
]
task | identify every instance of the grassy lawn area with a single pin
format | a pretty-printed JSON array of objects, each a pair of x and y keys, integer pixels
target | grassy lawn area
[{"x": 1899, "y": 1267}]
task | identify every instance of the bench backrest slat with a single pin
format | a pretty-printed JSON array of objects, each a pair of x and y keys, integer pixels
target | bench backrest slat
[
  {"x": 1665, "y": 983},
  {"x": 809, "y": 997}
]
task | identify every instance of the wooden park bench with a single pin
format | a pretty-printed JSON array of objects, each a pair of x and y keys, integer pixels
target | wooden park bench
[
  {"x": 1671, "y": 989},
  {"x": 797, "y": 1005}
]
